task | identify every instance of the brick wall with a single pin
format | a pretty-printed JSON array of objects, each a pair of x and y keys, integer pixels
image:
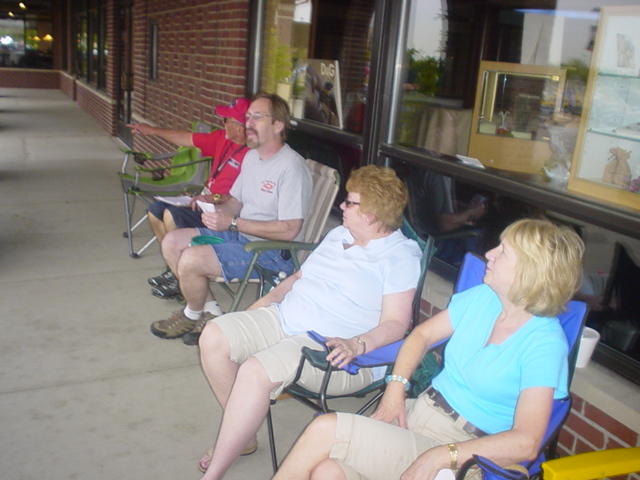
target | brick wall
[
  {"x": 68, "y": 85},
  {"x": 98, "y": 105},
  {"x": 202, "y": 61},
  {"x": 587, "y": 429}
]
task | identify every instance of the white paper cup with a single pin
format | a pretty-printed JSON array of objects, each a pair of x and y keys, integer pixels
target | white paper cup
[{"x": 588, "y": 342}]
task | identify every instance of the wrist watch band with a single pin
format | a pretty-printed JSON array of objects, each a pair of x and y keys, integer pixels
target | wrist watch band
[{"x": 233, "y": 228}]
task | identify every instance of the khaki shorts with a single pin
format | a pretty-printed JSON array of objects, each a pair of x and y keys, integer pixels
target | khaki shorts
[
  {"x": 369, "y": 449},
  {"x": 259, "y": 333}
]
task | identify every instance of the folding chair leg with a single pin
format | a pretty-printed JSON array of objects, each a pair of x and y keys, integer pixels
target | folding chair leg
[
  {"x": 128, "y": 207},
  {"x": 272, "y": 441},
  {"x": 146, "y": 245}
]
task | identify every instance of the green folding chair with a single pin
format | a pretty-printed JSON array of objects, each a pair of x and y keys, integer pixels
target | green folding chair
[{"x": 145, "y": 175}]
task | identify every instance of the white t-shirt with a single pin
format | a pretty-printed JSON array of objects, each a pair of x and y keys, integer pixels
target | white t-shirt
[
  {"x": 277, "y": 188},
  {"x": 340, "y": 291}
]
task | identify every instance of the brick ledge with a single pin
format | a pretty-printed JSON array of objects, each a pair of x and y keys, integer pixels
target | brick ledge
[{"x": 614, "y": 395}]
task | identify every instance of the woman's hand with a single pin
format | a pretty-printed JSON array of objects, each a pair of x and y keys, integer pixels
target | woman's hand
[
  {"x": 391, "y": 408},
  {"x": 343, "y": 351},
  {"x": 425, "y": 467}
]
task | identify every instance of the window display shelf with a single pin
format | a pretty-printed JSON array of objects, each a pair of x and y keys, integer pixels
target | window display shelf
[
  {"x": 528, "y": 188},
  {"x": 606, "y": 162}
]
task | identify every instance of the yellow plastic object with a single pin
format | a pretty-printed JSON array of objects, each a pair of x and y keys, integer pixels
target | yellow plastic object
[{"x": 586, "y": 466}]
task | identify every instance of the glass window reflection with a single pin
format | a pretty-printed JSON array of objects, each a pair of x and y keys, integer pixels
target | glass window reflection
[{"x": 298, "y": 35}]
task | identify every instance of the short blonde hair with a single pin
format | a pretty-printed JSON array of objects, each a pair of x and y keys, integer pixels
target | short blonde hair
[
  {"x": 549, "y": 265},
  {"x": 382, "y": 194}
]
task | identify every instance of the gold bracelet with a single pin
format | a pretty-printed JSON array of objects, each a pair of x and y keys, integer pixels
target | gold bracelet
[{"x": 453, "y": 455}]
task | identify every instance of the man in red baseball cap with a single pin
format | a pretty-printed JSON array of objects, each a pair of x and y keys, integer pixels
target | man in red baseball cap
[{"x": 227, "y": 148}]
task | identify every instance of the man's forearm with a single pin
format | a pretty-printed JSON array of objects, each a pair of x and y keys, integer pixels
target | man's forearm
[
  {"x": 182, "y": 138},
  {"x": 286, "y": 230}
]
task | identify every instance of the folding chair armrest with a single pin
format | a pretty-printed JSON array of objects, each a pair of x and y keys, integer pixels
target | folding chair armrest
[
  {"x": 598, "y": 464},
  {"x": 264, "y": 245},
  {"x": 316, "y": 358},
  {"x": 142, "y": 169},
  {"x": 383, "y": 356},
  {"x": 150, "y": 156}
]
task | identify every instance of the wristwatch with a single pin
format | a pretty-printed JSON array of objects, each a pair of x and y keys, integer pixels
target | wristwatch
[
  {"x": 216, "y": 198},
  {"x": 233, "y": 228},
  {"x": 362, "y": 342}
]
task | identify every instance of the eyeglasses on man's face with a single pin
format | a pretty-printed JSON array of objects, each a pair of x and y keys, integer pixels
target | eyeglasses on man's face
[
  {"x": 348, "y": 202},
  {"x": 257, "y": 116}
]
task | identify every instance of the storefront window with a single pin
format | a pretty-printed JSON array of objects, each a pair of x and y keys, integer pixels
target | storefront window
[
  {"x": 26, "y": 39},
  {"x": 82, "y": 57},
  {"x": 91, "y": 52},
  {"x": 506, "y": 89},
  {"x": 316, "y": 54}
]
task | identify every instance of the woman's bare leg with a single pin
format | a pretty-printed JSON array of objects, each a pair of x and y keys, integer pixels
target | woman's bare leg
[
  {"x": 309, "y": 456},
  {"x": 244, "y": 411}
]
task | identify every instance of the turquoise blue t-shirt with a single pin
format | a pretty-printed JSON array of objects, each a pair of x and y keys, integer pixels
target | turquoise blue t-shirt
[{"x": 482, "y": 382}]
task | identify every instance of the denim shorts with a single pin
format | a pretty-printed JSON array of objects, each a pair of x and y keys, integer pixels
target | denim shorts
[
  {"x": 234, "y": 259},
  {"x": 183, "y": 217}
]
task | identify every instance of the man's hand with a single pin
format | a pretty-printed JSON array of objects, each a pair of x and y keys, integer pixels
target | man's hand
[
  {"x": 218, "y": 221},
  {"x": 141, "y": 129}
]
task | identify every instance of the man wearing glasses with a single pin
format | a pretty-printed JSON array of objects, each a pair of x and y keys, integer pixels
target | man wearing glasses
[{"x": 269, "y": 200}]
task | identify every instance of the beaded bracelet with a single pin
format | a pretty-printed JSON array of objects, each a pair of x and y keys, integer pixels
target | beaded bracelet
[{"x": 398, "y": 378}]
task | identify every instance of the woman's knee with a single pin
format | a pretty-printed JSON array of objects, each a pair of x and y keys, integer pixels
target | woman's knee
[
  {"x": 252, "y": 372},
  {"x": 328, "y": 469},
  {"x": 213, "y": 341},
  {"x": 323, "y": 425}
]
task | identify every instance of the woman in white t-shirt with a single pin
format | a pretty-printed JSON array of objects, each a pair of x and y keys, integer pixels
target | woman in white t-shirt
[{"x": 356, "y": 288}]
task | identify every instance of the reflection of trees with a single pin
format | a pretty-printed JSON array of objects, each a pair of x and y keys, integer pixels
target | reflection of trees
[
  {"x": 576, "y": 84},
  {"x": 425, "y": 73},
  {"x": 278, "y": 63}
]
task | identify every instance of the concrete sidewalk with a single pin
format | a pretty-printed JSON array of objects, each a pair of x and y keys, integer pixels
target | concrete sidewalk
[{"x": 86, "y": 391}]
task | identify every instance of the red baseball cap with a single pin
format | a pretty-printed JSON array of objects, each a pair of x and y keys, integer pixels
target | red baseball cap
[{"x": 236, "y": 110}]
